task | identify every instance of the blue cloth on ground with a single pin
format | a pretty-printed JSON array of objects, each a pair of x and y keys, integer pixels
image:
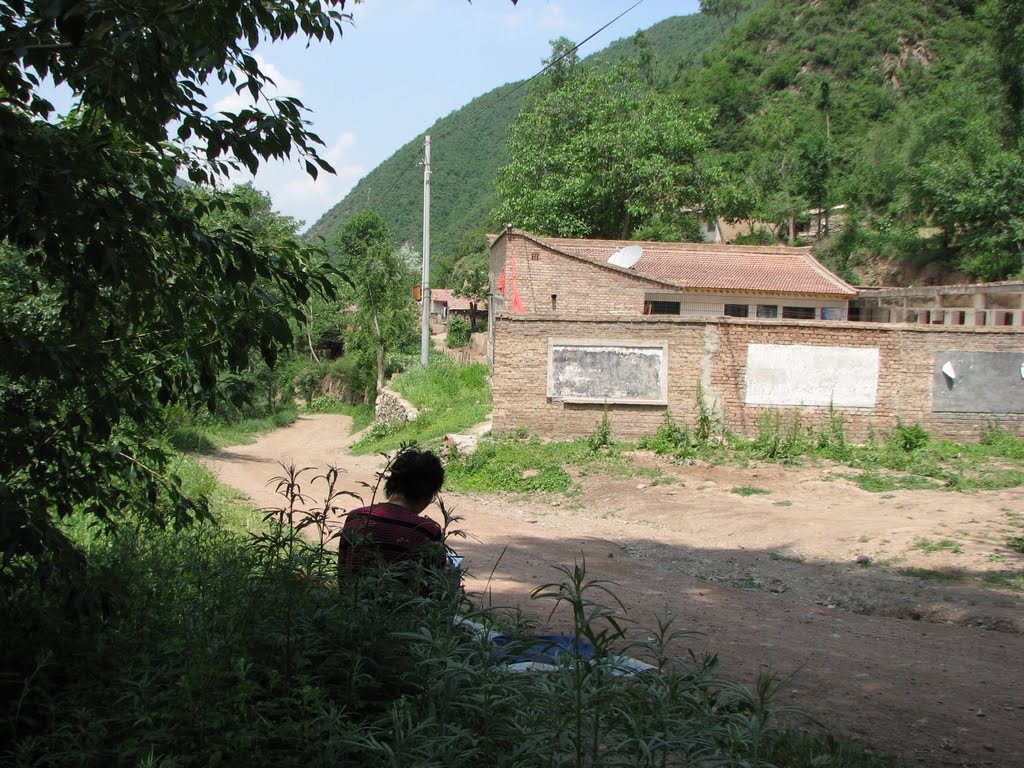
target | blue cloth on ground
[{"x": 541, "y": 649}]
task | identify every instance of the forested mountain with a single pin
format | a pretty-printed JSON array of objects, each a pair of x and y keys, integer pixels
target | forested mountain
[
  {"x": 907, "y": 113},
  {"x": 468, "y": 148}
]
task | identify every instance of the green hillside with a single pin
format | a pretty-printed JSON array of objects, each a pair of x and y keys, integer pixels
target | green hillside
[
  {"x": 468, "y": 147},
  {"x": 898, "y": 110},
  {"x": 906, "y": 113}
]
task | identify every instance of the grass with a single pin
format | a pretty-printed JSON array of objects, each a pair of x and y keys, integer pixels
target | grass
[
  {"x": 748, "y": 490},
  {"x": 525, "y": 464},
  {"x": 929, "y": 574},
  {"x": 360, "y": 413},
  {"x": 779, "y": 557},
  {"x": 1012, "y": 581},
  {"x": 876, "y": 482},
  {"x": 451, "y": 397},
  {"x": 201, "y": 432},
  {"x": 942, "y": 545}
]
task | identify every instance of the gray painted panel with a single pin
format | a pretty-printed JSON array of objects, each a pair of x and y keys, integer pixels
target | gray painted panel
[
  {"x": 613, "y": 371},
  {"x": 983, "y": 382}
]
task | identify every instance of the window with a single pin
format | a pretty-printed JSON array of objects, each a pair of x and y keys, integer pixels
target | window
[
  {"x": 798, "y": 313},
  {"x": 737, "y": 310},
  {"x": 661, "y": 308},
  {"x": 554, "y": 301},
  {"x": 767, "y": 310}
]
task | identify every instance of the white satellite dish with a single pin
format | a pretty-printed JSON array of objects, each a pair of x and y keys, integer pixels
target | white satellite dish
[{"x": 627, "y": 256}]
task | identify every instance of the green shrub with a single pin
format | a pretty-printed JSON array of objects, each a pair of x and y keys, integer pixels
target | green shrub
[
  {"x": 909, "y": 437},
  {"x": 458, "y": 333},
  {"x": 602, "y": 435},
  {"x": 671, "y": 438},
  {"x": 760, "y": 236},
  {"x": 1002, "y": 441},
  {"x": 778, "y": 439}
]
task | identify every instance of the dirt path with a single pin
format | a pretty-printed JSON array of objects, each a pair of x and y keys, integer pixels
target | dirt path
[{"x": 928, "y": 666}]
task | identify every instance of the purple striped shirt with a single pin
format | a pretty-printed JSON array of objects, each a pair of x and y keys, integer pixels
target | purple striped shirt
[{"x": 385, "y": 533}]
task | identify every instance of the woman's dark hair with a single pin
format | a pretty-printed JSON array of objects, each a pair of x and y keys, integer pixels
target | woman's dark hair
[{"x": 415, "y": 474}]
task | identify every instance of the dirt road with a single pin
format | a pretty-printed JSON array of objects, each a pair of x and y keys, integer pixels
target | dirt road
[{"x": 927, "y": 666}]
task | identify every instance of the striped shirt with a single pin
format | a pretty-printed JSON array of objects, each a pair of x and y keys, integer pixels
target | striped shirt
[{"x": 386, "y": 533}]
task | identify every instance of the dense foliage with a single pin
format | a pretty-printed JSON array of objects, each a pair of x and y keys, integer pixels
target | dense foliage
[
  {"x": 232, "y": 647},
  {"x": 601, "y": 155},
  {"x": 126, "y": 289},
  {"x": 906, "y": 118},
  {"x": 378, "y": 284}
]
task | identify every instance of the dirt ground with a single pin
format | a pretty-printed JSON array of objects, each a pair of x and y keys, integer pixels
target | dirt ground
[{"x": 927, "y": 667}]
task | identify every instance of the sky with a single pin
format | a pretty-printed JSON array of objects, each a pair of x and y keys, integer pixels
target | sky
[{"x": 403, "y": 64}]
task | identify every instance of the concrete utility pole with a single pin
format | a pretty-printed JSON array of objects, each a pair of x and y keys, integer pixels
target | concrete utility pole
[{"x": 425, "y": 281}]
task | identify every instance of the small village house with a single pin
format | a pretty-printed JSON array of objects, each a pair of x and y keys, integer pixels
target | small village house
[{"x": 563, "y": 276}]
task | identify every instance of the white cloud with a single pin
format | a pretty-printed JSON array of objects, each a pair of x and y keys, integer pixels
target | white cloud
[
  {"x": 295, "y": 193},
  {"x": 280, "y": 87}
]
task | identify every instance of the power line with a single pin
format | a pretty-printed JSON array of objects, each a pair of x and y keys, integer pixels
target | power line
[
  {"x": 519, "y": 86},
  {"x": 522, "y": 84}
]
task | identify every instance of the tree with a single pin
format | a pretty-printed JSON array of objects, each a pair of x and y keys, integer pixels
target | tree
[
  {"x": 127, "y": 289},
  {"x": 600, "y": 156},
  {"x": 379, "y": 283},
  {"x": 724, "y": 9},
  {"x": 558, "y": 67},
  {"x": 647, "y": 61},
  {"x": 472, "y": 283}
]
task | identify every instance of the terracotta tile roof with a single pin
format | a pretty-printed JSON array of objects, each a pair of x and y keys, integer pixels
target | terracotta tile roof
[
  {"x": 457, "y": 303},
  {"x": 716, "y": 267}
]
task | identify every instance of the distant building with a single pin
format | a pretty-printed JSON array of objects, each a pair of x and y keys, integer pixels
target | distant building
[
  {"x": 978, "y": 304},
  {"x": 444, "y": 305},
  {"x": 562, "y": 276}
]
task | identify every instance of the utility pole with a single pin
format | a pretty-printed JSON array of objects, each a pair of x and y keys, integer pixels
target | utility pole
[{"x": 425, "y": 279}]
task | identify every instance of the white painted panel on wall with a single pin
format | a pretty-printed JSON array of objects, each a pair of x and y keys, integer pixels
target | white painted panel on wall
[{"x": 779, "y": 374}]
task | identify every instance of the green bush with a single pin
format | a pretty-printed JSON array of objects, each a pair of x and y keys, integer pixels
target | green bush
[
  {"x": 458, "y": 333},
  {"x": 602, "y": 435},
  {"x": 778, "y": 439},
  {"x": 671, "y": 438},
  {"x": 760, "y": 236},
  {"x": 909, "y": 437}
]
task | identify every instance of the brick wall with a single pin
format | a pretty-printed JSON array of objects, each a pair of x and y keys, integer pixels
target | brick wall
[
  {"x": 550, "y": 282},
  {"x": 714, "y": 353}
]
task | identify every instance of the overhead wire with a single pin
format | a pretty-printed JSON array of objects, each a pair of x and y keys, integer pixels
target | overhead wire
[{"x": 491, "y": 106}]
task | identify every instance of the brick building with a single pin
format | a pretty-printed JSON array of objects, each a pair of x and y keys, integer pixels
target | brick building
[
  {"x": 575, "y": 335},
  {"x": 572, "y": 277}
]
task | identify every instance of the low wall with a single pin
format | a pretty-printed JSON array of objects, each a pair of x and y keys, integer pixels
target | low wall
[
  {"x": 390, "y": 408},
  {"x": 549, "y": 374}
]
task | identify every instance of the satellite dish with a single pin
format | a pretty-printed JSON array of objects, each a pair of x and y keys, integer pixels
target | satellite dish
[{"x": 626, "y": 257}]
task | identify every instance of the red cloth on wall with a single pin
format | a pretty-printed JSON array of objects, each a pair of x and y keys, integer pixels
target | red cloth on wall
[{"x": 517, "y": 302}]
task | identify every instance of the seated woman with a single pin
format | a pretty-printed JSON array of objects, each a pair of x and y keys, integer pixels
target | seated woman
[{"x": 395, "y": 532}]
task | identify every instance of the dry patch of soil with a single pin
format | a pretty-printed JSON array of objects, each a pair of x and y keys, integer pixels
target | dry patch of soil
[{"x": 925, "y": 666}]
